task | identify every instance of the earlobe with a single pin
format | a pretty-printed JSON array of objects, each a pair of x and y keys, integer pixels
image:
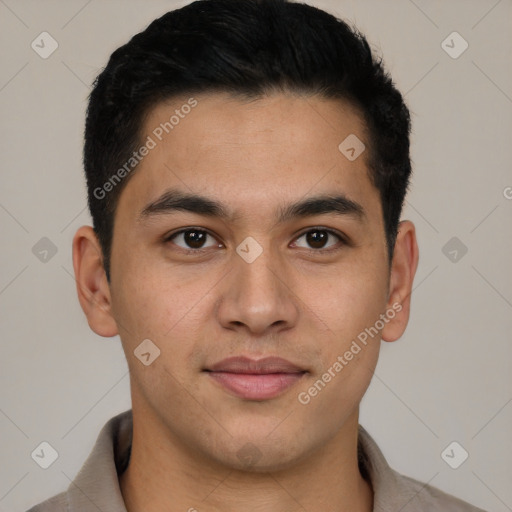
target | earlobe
[
  {"x": 91, "y": 281},
  {"x": 403, "y": 270}
]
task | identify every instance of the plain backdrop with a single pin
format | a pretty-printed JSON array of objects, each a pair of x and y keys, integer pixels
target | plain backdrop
[{"x": 448, "y": 378}]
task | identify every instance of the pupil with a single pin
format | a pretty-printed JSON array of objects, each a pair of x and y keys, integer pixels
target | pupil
[
  {"x": 317, "y": 239},
  {"x": 194, "y": 239}
]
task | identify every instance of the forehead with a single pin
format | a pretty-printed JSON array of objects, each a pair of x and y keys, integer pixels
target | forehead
[{"x": 250, "y": 155}]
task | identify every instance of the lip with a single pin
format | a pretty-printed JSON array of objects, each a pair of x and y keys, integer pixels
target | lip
[{"x": 255, "y": 379}]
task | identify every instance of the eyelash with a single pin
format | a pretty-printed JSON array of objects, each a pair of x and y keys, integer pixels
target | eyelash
[{"x": 341, "y": 238}]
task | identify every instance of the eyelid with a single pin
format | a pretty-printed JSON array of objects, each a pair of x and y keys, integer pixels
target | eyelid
[
  {"x": 168, "y": 237},
  {"x": 342, "y": 238}
]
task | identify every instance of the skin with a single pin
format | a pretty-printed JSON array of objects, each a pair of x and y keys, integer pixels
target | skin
[{"x": 297, "y": 300}]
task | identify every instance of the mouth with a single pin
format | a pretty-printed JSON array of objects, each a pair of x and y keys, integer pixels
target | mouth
[{"x": 252, "y": 379}]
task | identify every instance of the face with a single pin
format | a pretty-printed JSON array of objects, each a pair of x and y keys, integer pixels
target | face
[{"x": 255, "y": 291}]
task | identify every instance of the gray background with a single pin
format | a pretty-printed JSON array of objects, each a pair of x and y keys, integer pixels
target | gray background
[{"x": 447, "y": 379}]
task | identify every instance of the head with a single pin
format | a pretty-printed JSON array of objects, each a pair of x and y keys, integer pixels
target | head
[
  {"x": 228, "y": 117},
  {"x": 272, "y": 46}
]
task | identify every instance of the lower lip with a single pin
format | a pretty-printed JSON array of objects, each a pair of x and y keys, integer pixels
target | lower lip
[{"x": 256, "y": 386}]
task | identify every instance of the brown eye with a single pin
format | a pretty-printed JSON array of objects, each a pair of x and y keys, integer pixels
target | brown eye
[
  {"x": 192, "y": 239},
  {"x": 318, "y": 239}
]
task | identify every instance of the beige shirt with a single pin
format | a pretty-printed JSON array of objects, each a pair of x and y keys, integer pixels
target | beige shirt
[{"x": 96, "y": 487}]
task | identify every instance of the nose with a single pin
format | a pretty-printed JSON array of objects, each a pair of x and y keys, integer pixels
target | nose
[{"x": 257, "y": 296}]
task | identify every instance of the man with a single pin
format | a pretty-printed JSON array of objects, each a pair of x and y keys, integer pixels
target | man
[{"x": 246, "y": 163}]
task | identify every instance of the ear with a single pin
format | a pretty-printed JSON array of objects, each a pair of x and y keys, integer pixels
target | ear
[
  {"x": 91, "y": 282},
  {"x": 403, "y": 269}
]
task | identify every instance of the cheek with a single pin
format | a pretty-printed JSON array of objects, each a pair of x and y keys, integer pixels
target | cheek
[
  {"x": 350, "y": 303},
  {"x": 349, "y": 347},
  {"x": 336, "y": 398},
  {"x": 169, "y": 306},
  {"x": 150, "y": 299}
]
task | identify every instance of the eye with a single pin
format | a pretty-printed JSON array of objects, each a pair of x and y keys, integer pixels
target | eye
[
  {"x": 318, "y": 238},
  {"x": 192, "y": 239}
]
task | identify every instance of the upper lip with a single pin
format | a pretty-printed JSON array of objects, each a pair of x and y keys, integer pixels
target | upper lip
[{"x": 246, "y": 365}]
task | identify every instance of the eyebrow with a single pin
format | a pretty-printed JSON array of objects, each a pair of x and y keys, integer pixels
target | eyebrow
[{"x": 177, "y": 200}]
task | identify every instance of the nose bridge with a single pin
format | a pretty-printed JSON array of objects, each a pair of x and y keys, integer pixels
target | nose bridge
[
  {"x": 257, "y": 268},
  {"x": 258, "y": 295},
  {"x": 257, "y": 271}
]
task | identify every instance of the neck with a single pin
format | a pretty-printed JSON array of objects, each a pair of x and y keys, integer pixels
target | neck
[{"x": 165, "y": 476}]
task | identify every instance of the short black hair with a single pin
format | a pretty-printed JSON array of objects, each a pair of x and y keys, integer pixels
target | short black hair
[{"x": 248, "y": 48}]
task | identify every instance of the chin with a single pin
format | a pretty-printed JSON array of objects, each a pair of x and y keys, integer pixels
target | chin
[
  {"x": 258, "y": 452},
  {"x": 251, "y": 459}
]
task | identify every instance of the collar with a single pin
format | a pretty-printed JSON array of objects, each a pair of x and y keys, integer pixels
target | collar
[{"x": 96, "y": 486}]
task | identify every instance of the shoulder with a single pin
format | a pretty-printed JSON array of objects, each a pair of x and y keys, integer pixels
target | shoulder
[
  {"x": 58, "y": 503},
  {"x": 426, "y": 498},
  {"x": 96, "y": 486},
  {"x": 394, "y": 491}
]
